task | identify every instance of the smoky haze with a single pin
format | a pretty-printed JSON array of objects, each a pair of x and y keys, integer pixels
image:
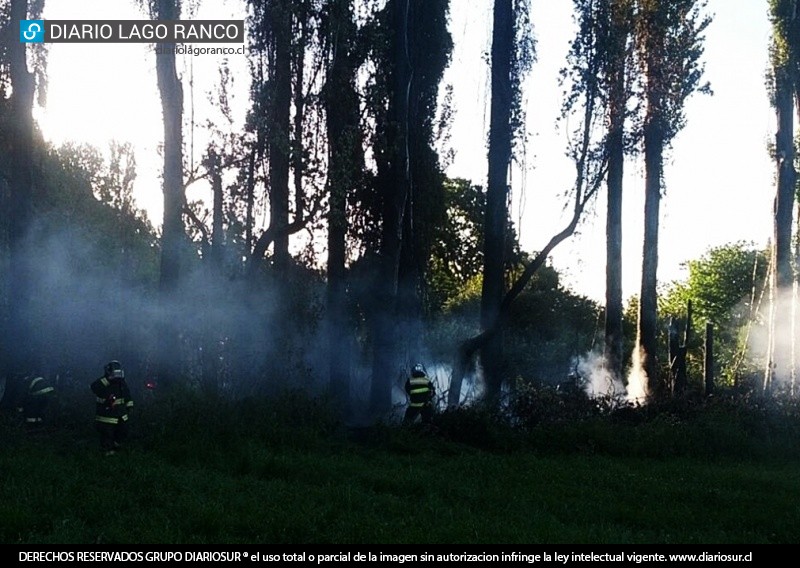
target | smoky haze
[{"x": 92, "y": 303}]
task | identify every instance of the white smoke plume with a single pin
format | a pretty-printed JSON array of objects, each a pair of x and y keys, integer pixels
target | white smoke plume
[
  {"x": 598, "y": 380},
  {"x": 637, "y": 378}
]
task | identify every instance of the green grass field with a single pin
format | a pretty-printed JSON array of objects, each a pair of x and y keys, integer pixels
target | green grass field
[{"x": 287, "y": 472}]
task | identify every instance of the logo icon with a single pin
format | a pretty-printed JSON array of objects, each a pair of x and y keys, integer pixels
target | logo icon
[{"x": 31, "y": 31}]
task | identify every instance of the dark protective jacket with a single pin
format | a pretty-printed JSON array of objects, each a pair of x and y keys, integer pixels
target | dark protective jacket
[
  {"x": 113, "y": 400},
  {"x": 420, "y": 391}
]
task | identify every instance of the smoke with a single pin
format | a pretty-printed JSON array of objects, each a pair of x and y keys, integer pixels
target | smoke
[
  {"x": 598, "y": 380},
  {"x": 776, "y": 348},
  {"x": 93, "y": 302},
  {"x": 637, "y": 391},
  {"x": 472, "y": 387}
]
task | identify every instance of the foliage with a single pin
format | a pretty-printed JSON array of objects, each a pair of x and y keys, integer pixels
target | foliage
[
  {"x": 784, "y": 48},
  {"x": 669, "y": 39},
  {"x": 81, "y": 192},
  {"x": 548, "y": 329},
  {"x": 724, "y": 287},
  {"x": 457, "y": 253},
  {"x": 97, "y": 258},
  {"x": 522, "y": 59},
  {"x": 531, "y": 404},
  {"x": 599, "y": 51}
]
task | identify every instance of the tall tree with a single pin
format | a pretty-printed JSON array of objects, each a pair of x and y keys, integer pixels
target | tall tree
[
  {"x": 173, "y": 234},
  {"x": 19, "y": 338},
  {"x": 345, "y": 167},
  {"x": 669, "y": 39},
  {"x": 598, "y": 63},
  {"x": 414, "y": 47},
  {"x": 496, "y": 214},
  {"x": 784, "y": 61},
  {"x": 590, "y": 170},
  {"x": 277, "y": 57},
  {"x": 394, "y": 194},
  {"x": 616, "y": 16},
  {"x": 430, "y": 46},
  {"x": 280, "y": 69}
]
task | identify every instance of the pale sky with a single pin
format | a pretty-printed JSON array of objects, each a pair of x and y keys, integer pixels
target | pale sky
[{"x": 719, "y": 178}]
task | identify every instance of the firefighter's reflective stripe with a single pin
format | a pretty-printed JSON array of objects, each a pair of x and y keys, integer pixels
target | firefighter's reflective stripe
[
  {"x": 111, "y": 419},
  {"x": 117, "y": 402},
  {"x": 107, "y": 419},
  {"x": 39, "y": 391},
  {"x": 419, "y": 391},
  {"x": 34, "y": 420}
]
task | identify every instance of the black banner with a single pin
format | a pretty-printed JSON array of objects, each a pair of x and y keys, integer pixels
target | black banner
[{"x": 310, "y": 555}]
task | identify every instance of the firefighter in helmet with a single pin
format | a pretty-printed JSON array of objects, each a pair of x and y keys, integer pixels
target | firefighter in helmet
[
  {"x": 34, "y": 396},
  {"x": 421, "y": 393},
  {"x": 113, "y": 405}
]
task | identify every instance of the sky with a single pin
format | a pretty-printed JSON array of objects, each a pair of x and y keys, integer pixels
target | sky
[{"x": 719, "y": 176}]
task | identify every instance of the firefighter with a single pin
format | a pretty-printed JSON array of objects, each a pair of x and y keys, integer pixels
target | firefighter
[
  {"x": 421, "y": 392},
  {"x": 113, "y": 405},
  {"x": 35, "y": 393}
]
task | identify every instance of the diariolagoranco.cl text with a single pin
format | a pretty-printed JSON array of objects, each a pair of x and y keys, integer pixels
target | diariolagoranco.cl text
[{"x": 192, "y": 50}]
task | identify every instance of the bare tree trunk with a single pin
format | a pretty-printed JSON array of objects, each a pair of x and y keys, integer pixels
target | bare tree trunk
[
  {"x": 173, "y": 233},
  {"x": 19, "y": 339},
  {"x": 769, "y": 368},
  {"x": 678, "y": 352},
  {"x": 395, "y": 195},
  {"x": 619, "y": 31},
  {"x": 250, "y": 201},
  {"x": 708, "y": 368},
  {"x": 299, "y": 108},
  {"x": 647, "y": 326},
  {"x": 345, "y": 164},
  {"x": 614, "y": 308},
  {"x": 674, "y": 351},
  {"x": 217, "y": 212},
  {"x": 784, "y": 204},
  {"x": 279, "y": 139},
  {"x": 496, "y": 218}
]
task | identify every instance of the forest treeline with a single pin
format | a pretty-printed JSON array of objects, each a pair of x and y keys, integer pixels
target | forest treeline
[{"x": 372, "y": 258}]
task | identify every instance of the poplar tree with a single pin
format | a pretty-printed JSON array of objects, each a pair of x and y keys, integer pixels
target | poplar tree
[{"x": 669, "y": 43}]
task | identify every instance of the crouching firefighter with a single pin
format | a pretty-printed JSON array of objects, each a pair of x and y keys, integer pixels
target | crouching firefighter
[
  {"x": 421, "y": 392},
  {"x": 113, "y": 404}
]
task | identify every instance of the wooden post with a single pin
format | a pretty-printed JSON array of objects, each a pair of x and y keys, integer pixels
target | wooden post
[
  {"x": 709, "y": 359},
  {"x": 674, "y": 354},
  {"x": 677, "y": 352},
  {"x": 682, "y": 377}
]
